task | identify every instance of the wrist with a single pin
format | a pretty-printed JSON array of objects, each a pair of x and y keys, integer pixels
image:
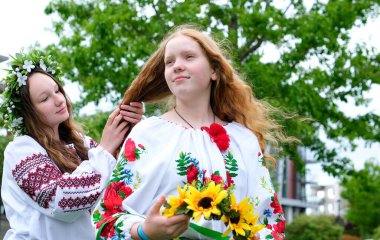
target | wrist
[
  {"x": 133, "y": 231},
  {"x": 141, "y": 232}
]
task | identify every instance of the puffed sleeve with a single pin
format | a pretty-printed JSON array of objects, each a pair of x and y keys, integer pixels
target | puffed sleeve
[
  {"x": 33, "y": 177},
  {"x": 265, "y": 199},
  {"x": 135, "y": 182}
]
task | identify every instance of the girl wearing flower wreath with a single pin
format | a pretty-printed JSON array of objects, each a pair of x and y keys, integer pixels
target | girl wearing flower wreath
[
  {"x": 53, "y": 173},
  {"x": 213, "y": 137}
]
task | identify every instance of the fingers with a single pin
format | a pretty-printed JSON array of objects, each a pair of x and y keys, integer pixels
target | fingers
[
  {"x": 155, "y": 208},
  {"x": 133, "y": 112},
  {"x": 178, "y": 224},
  {"x": 133, "y": 107},
  {"x": 112, "y": 116}
]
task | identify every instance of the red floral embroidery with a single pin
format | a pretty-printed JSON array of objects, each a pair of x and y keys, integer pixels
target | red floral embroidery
[
  {"x": 76, "y": 182},
  {"x": 217, "y": 178},
  {"x": 279, "y": 227},
  {"x": 36, "y": 176},
  {"x": 108, "y": 231},
  {"x": 141, "y": 146},
  {"x": 192, "y": 174},
  {"x": 278, "y": 230},
  {"x": 276, "y": 205},
  {"x": 218, "y": 135},
  {"x": 114, "y": 195},
  {"x": 230, "y": 181},
  {"x": 129, "y": 150}
]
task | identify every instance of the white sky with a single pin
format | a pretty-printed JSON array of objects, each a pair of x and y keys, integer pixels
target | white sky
[{"x": 23, "y": 23}]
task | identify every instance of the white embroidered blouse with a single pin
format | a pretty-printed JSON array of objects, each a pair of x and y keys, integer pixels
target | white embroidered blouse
[
  {"x": 148, "y": 166},
  {"x": 42, "y": 203}
]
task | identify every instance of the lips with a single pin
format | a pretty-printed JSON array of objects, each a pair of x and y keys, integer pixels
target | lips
[
  {"x": 62, "y": 110},
  {"x": 180, "y": 78}
]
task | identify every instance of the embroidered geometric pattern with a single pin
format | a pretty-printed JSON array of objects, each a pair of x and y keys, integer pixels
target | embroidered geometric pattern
[
  {"x": 76, "y": 182},
  {"x": 93, "y": 144},
  {"x": 36, "y": 176},
  {"x": 79, "y": 202}
]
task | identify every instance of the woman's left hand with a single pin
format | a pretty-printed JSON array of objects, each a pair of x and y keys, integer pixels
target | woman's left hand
[{"x": 133, "y": 112}]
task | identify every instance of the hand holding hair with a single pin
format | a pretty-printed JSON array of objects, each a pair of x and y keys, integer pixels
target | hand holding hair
[
  {"x": 133, "y": 112},
  {"x": 114, "y": 131}
]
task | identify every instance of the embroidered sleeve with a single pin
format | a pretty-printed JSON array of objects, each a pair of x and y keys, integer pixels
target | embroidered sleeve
[
  {"x": 90, "y": 143},
  {"x": 267, "y": 204},
  {"x": 132, "y": 188},
  {"x": 62, "y": 196}
]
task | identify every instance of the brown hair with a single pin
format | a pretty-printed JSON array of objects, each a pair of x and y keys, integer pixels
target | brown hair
[
  {"x": 69, "y": 131},
  {"x": 231, "y": 99}
]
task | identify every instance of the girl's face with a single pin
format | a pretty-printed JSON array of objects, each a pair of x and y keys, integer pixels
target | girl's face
[
  {"x": 187, "y": 70},
  {"x": 47, "y": 99}
]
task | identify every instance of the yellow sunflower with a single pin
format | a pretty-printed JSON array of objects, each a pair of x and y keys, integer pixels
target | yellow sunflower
[
  {"x": 240, "y": 218},
  {"x": 174, "y": 202},
  {"x": 254, "y": 226},
  {"x": 205, "y": 202}
]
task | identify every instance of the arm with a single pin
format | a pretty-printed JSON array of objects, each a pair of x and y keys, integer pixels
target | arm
[
  {"x": 134, "y": 188},
  {"x": 34, "y": 178}
]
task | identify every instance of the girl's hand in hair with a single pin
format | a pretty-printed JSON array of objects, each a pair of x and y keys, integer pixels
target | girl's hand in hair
[
  {"x": 133, "y": 112},
  {"x": 157, "y": 226},
  {"x": 114, "y": 131}
]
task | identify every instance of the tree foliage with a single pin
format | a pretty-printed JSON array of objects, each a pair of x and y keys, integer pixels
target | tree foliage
[
  {"x": 313, "y": 227},
  {"x": 362, "y": 191},
  {"x": 104, "y": 43}
]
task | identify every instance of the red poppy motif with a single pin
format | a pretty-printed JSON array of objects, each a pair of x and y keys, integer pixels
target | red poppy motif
[
  {"x": 278, "y": 230},
  {"x": 114, "y": 195},
  {"x": 129, "y": 150},
  {"x": 108, "y": 231},
  {"x": 276, "y": 205},
  {"x": 217, "y": 178},
  {"x": 279, "y": 227},
  {"x": 192, "y": 174},
  {"x": 218, "y": 135}
]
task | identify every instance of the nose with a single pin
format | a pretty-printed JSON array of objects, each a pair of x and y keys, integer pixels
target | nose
[
  {"x": 178, "y": 66},
  {"x": 59, "y": 99}
]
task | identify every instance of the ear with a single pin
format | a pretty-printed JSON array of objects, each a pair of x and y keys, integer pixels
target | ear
[{"x": 214, "y": 76}]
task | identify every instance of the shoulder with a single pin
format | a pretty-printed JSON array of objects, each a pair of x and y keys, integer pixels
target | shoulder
[
  {"x": 20, "y": 143},
  {"x": 153, "y": 126}
]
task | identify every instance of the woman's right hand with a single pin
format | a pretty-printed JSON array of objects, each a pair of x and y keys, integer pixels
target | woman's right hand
[
  {"x": 157, "y": 226},
  {"x": 114, "y": 131}
]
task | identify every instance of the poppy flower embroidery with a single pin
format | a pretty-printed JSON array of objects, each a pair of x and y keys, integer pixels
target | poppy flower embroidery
[
  {"x": 131, "y": 152},
  {"x": 218, "y": 134},
  {"x": 276, "y": 205}
]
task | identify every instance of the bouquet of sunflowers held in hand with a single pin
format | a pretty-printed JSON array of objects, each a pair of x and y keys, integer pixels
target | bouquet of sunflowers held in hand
[{"x": 212, "y": 201}]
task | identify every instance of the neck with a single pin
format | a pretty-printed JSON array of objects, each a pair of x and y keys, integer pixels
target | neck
[
  {"x": 195, "y": 116},
  {"x": 56, "y": 134}
]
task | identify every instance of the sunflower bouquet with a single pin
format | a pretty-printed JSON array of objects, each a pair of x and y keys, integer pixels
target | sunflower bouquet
[{"x": 212, "y": 201}]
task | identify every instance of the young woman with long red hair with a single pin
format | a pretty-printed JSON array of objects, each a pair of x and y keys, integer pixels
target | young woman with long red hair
[{"x": 214, "y": 130}]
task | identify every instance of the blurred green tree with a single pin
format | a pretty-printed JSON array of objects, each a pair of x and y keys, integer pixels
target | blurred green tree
[
  {"x": 319, "y": 227},
  {"x": 104, "y": 43},
  {"x": 362, "y": 191}
]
